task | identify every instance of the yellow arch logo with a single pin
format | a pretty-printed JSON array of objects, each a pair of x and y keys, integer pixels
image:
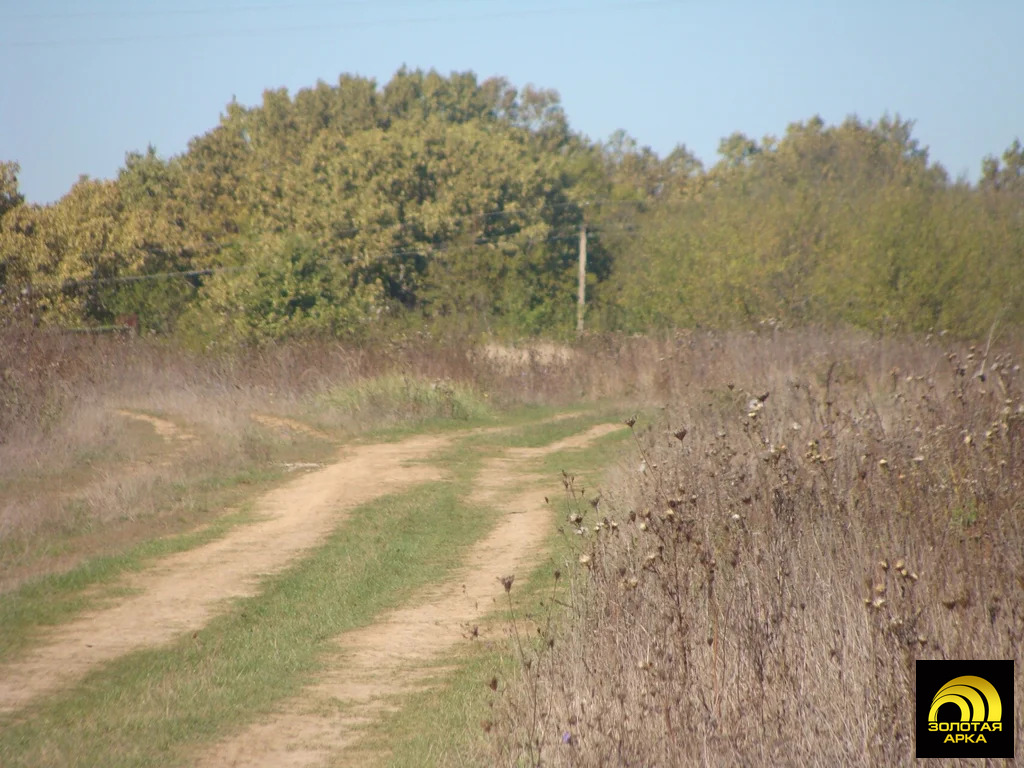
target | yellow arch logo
[{"x": 973, "y": 695}]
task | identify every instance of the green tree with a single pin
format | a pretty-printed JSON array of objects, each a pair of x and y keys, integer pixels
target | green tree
[
  {"x": 10, "y": 196},
  {"x": 278, "y": 287},
  {"x": 1007, "y": 176}
]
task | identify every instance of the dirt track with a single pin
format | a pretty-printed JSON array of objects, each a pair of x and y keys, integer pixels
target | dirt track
[
  {"x": 288, "y": 425},
  {"x": 373, "y": 665},
  {"x": 183, "y": 591},
  {"x": 394, "y": 654}
]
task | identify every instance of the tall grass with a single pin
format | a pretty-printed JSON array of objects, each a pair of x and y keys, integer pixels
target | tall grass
[
  {"x": 402, "y": 399},
  {"x": 77, "y": 477},
  {"x": 810, "y": 516}
]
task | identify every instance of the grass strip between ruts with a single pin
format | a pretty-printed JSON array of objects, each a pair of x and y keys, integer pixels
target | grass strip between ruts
[
  {"x": 447, "y": 723},
  {"x": 150, "y": 707}
]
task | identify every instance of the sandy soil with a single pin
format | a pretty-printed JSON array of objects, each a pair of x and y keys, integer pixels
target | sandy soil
[
  {"x": 398, "y": 653},
  {"x": 182, "y": 592},
  {"x": 168, "y": 430},
  {"x": 288, "y": 425},
  {"x": 511, "y": 358}
]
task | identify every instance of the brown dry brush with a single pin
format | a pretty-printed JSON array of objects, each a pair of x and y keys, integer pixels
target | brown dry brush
[
  {"x": 47, "y": 375},
  {"x": 812, "y": 515},
  {"x": 60, "y": 393}
]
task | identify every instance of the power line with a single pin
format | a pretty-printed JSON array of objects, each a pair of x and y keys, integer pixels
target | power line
[
  {"x": 143, "y": 13},
  {"x": 184, "y": 274},
  {"x": 355, "y": 24},
  {"x": 352, "y": 231}
]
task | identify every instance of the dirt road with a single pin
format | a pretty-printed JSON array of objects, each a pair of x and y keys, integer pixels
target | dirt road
[
  {"x": 183, "y": 591},
  {"x": 371, "y": 666},
  {"x": 394, "y": 655}
]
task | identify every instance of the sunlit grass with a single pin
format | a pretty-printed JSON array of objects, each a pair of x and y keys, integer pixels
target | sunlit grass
[{"x": 151, "y": 707}]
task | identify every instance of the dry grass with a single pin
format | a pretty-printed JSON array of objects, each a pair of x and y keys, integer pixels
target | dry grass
[
  {"x": 757, "y": 593},
  {"x": 810, "y": 516},
  {"x": 79, "y": 477}
]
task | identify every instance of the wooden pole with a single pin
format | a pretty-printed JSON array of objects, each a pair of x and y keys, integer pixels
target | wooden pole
[{"x": 582, "y": 294}]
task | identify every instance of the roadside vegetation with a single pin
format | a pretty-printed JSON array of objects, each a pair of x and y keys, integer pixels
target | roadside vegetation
[
  {"x": 801, "y": 514},
  {"x": 161, "y": 706},
  {"x": 808, "y": 516}
]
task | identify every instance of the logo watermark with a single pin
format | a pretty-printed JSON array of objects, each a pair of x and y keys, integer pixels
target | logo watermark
[{"x": 965, "y": 708}]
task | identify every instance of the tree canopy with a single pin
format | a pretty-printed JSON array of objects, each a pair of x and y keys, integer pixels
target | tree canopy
[{"x": 352, "y": 208}]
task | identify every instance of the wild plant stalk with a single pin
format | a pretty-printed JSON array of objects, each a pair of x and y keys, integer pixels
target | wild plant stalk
[
  {"x": 532, "y": 740},
  {"x": 778, "y": 567}
]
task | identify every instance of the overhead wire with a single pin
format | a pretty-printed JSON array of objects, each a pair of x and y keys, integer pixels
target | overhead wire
[
  {"x": 194, "y": 273},
  {"x": 149, "y": 12},
  {"x": 426, "y": 250},
  {"x": 353, "y": 24}
]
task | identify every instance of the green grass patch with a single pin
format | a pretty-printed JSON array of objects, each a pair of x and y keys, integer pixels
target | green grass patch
[
  {"x": 409, "y": 401},
  {"x": 152, "y": 707},
  {"x": 589, "y": 462},
  {"x": 190, "y": 509},
  {"x": 56, "y": 598},
  {"x": 447, "y": 725}
]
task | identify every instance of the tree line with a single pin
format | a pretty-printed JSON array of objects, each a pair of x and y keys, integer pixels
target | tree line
[{"x": 354, "y": 210}]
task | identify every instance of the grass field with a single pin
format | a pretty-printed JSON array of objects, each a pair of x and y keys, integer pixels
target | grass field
[
  {"x": 158, "y": 706},
  {"x": 788, "y": 518}
]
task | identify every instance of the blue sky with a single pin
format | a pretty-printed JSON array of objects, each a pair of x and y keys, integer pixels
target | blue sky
[{"x": 85, "y": 82}]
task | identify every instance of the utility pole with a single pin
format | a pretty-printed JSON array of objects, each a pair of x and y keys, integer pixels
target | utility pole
[{"x": 582, "y": 294}]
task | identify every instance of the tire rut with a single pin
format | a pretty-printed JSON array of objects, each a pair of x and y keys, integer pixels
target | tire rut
[
  {"x": 184, "y": 591},
  {"x": 375, "y": 665}
]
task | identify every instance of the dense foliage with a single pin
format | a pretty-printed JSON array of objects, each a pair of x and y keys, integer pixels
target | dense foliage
[
  {"x": 831, "y": 224},
  {"x": 355, "y": 209}
]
